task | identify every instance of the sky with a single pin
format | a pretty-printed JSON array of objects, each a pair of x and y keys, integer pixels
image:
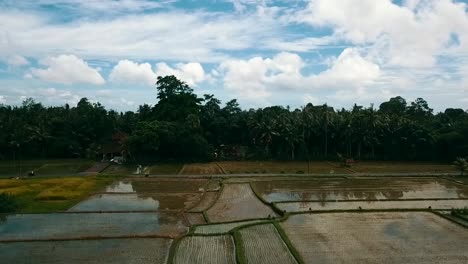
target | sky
[{"x": 269, "y": 52}]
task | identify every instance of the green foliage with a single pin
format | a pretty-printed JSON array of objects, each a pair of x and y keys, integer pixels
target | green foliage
[
  {"x": 461, "y": 164},
  {"x": 8, "y": 203},
  {"x": 183, "y": 126}
]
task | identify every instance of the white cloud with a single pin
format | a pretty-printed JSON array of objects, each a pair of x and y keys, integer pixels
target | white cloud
[
  {"x": 411, "y": 35},
  {"x": 127, "y": 71},
  {"x": 350, "y": 68},
  {"x": 17, "y": 60},
  {"x": 174, "y": 35},
  {"x": 257, "y": 78},
  {"x": 2, "y": 99},
  {"x": 131, "y": 72},
  {"x": 67, "y": 69},
  {"x": 191, "y": 73}
]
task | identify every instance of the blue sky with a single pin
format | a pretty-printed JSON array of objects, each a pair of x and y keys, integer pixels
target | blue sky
[{"x": 266, "y": 52}]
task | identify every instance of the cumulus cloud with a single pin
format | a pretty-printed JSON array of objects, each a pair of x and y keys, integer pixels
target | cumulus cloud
[
  {"x": 17, "y": 60},
  {"x": 191, "y": 73},
  {"x": 67, "y": 69},
  {"x": 411, "y": 35},
  {"x": 127, "y": 71},
  {"x": 131, "y": 72},
  {"x": 256, "y": 78}
]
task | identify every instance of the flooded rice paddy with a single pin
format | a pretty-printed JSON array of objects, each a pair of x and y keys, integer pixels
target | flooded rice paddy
[
  {"x": 116, "y": 251},
  {"x": 85, "y": 225},
  {"x": 360, "y": 189},
  {"x": 136, "y": 221},
  {"x": 372, "y": 205},
  {"x": 391, "y": 237},
  {"x": 137, "y": 202},
  {"x": 238, "y": 202}
]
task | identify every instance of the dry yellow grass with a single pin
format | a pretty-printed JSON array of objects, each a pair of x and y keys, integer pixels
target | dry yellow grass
[{"x": 50, "y": 194}]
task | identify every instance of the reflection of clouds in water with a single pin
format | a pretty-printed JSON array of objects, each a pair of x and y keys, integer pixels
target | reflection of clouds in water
[
  {"x": 117, "y": 202},
  {"x": 364, "y": 190},
  {"x": 120, "y": 186}
]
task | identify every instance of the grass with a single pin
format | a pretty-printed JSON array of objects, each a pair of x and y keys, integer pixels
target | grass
[
  {"x": 40, "y": 195},
  {"x": 44, "y": 166}
]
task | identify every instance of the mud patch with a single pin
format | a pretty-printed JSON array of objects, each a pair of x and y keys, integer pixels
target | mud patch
[{"x": 237, "y": 202}]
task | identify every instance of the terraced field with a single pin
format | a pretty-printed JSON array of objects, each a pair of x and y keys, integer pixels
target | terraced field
[
  {"x": 263, "y": 244},
  {"x": 89, "y": 225},
  {"x": 372, "y": 205},
  {"x": 391, "y": 237},
  {"x": 205, "y": 250},
  {"x": 222, "y": 228},
  {"x": 222, "y": 220},
  {"x": 360, "y": 189},
  {"x": 121, "y": 251},
  {"x": 238, "y": 202}
]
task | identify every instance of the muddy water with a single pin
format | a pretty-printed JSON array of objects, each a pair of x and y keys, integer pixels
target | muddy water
[
  {"x": 79, "y": 225},
  {"x": 238, "y": 202},
  {"x": 371, "y": 205},
  {"x": 157, "y": 186},
  {"x": 120, "y": 187},
  {"x": 360, "y": 189},
  {"x": 143, "y": 250},
  {"x": 137, "y": 202}
]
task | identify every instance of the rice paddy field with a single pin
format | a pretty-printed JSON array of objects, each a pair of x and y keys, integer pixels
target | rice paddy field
[
  {"x": 264, "y": 245},
  {"x": 122, "y": 251},
  {"x": 237, "y": 202},
  {"x": 386, "y": 237},
  {"x": 205, "y": 250},
  {"x": 293, "y": 167},
  {"x": 201, "y": 168},
  {"x": 216, "y": 216}
]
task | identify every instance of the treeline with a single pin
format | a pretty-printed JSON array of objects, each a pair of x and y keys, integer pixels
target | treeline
[{"x": 183, "y": 126}]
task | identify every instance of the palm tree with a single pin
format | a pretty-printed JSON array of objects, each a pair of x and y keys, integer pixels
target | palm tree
[{"x": 461, "y": 164}]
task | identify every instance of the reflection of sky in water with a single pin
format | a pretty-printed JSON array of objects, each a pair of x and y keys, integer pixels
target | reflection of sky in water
[
  {"x": 74, "y": 225},
  {"x": 412, "y": 190},
  {"x": 354, "y": 205},
  {"x": 120, "y": 186},
  {"x": 117, "y": 202}
]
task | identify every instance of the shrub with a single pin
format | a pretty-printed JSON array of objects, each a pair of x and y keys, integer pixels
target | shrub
[{"x": 8, "y": 203}]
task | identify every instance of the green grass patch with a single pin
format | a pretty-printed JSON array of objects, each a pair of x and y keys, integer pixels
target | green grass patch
[
  {"x": 46, "y": 166},
  {"x": 41, "y": 195}
]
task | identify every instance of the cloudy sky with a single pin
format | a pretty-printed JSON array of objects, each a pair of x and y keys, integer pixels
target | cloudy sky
[{"x": 280, "y": 52}]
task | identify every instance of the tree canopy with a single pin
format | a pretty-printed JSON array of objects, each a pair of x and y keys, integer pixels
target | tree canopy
[{"x": 184, "y": 126}]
